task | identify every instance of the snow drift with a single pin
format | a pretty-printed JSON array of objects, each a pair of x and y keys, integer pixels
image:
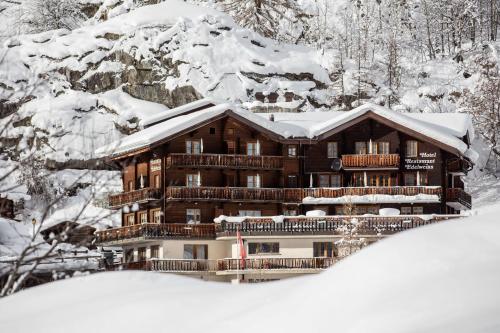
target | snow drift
[{"x": 440, "y": 278}]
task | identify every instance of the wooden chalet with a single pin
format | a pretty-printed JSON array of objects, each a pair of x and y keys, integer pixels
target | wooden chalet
[{"x": 193, "y": 164}]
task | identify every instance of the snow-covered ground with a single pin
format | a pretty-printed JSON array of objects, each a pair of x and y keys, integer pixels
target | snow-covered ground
[{"x": 439, "y": 278}]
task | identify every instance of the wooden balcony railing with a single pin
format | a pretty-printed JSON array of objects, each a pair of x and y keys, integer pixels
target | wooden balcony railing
[
  {"x": 458, "y": 165},
  {"x": 332, "y": 225},
  {"x": 288, "y": 194},
  {"x": 224, "y": 161},
  {"x": 370, "y": 161},
  {"x": 225, "y": 193},
  {"x": 157, "y": 231},
  {"x": 126, "y": 198},
  {"x": 183, "y": 265},
  {"x": 276, "y": 263},
  {"x": 460, "y": 196},
  {"x": 228, "y": 264}
]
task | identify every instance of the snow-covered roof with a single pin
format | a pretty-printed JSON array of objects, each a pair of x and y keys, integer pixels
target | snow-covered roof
[
  {"x": 183, "y": 109},
  {"x": 307, "y": 125}
]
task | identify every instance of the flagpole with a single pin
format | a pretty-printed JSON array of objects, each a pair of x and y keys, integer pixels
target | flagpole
[{"x": 237, "y": 255}]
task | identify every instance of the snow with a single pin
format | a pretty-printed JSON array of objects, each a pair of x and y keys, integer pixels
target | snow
[
  {"x": 373, "y": 198},
  {"x": 316, "y": 212},
  {"x": 388, "y": 211},
  {"x": 289, "y": 125},
  {"x": 449, "y": 285},
  {"x": 178, "y": 111}
]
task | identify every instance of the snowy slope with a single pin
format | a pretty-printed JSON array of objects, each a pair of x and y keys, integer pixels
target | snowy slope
[{"x": 440, "y": 278}]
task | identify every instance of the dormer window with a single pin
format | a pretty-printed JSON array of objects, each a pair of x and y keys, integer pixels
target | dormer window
[{"x": 333, "y": 149}]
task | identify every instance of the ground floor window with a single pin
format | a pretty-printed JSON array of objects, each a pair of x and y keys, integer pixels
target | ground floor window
[
  {"x": 193, "y": 216},
  {"x": 195, "y": 251},
  {"x": 128, "y": 255},
  {"x": 141, "y": 254},
  {"x": 323, "y": 249},
  {"x": 263, "y": 248},
  {"x": 155, "y": 251}
]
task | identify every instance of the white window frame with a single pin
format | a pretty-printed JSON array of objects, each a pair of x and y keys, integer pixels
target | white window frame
[
  {"x": 410, "y": 148},
  {"x": 253, "y": 148},
  {"x": 254, "y": 181},
  {"x": 195, "y": 213},
  {"x": 194, "y": 147},
  {"x": 157, "y": 216},
  {"x": 193, "y": 180}
]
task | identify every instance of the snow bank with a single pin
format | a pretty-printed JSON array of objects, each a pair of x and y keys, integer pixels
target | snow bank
[{"x": 449, "y": 285}]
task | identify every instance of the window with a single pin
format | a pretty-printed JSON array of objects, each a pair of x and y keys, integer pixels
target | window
[
  {"x": 323, "y": 249},
  {"x": 130, "y": 185},
  {"x": 379, "y": 180},
  {"x": 335, "y": 181},
  {"x": 143, "y": 217},
  {"x": 290, "y": 212},
  {"x": 156, "y": 216},
  {"x": 405, "y": 210},
  {"x": 411, "y": 148},
  {"x": 193, "y": 180},
  {"x": 292, "y": 150},
  {"x": 333, "y": 150},
  {"x": 324, "y": 180},
  {"x": 410, "y": 179},
  {"x": 141, "y": 254},
  {"x": 422, "y": 178},
  {"x": 193, "y": 216},
  {"x": 358, "y": 179},
  {"x": 193, "y": 147},
  {"x": 212, "y": 130},
  {"x": 418, "y": 210},
  {"x": 231, "y": 147},
  {"x": 292, "y": 181},
  {"x": 360, "y": 147},
  {"x": 155, "y": 251},
  {"x": 195, "y": 251},
  {"x": 263, "y": 248},
  {"x": 383, "y": 148},
  {"x": 157, "y": 181},
  {"x": 253, "y": 148},
  {"x": 129, "y": 219},
  {"x": 253, "y": 181},
  {"x": 249, "y": 213},
  {"x": 129, "y": 255}
]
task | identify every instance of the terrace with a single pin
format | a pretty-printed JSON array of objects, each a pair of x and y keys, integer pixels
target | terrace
[{"x": 224, "y": 161}]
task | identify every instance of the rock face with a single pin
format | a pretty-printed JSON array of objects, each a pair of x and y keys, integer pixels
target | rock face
[{"x": 81, "y": 89}]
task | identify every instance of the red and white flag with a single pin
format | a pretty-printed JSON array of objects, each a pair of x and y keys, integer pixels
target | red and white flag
[{"x": 241, "y": 247}]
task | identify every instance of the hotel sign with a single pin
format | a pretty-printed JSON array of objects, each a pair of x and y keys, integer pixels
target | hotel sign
[{"x": 424, "y": 161}]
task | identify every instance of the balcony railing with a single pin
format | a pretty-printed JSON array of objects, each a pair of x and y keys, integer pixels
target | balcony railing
[
  {"x": 127, "y": 198},
  {"x": 370, "y": 161},
  {"x": 224, "y": 161},
  {"x": 157, "y": 231},
  {"x": 331, "y": 225},
  {"x": 228, "y": 264},
  {"x": 276, "y": 263},
  {"x": 458, "y": 165},
  {"x": 288, "y": 194},
  {"x": 460, "y": 196},
  {"x": 225, "y": 193}
]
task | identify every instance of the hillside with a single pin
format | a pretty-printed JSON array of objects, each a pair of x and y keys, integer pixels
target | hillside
[{"x": 443, "y": 277}]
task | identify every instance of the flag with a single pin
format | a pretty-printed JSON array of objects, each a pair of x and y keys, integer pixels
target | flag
[{"x": 241, "y": 245}]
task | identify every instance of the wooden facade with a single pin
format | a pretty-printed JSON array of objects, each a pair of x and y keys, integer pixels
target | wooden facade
[{"x": 229, "y": 167}]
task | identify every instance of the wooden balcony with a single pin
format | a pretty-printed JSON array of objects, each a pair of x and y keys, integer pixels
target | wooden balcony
[
  {"x": 237, "y": 194},
  {"x": 458, "y": 199},
  {"x": 327, "y": 225},
  {"x": 276, "y": 264},
  {"x": 458, "y": 166},
  {"x": 224, "y": 161},
  {"x": 127, "y": 198},
  {"x": 155, "y": 231},
  {"x": 360, "y": 161},
  {"x": 288, "y": 195},
  {"x": 228, "y": 265}
]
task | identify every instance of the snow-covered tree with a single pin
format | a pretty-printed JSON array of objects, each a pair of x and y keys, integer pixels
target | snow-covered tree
[{"x": 44, "y": 15}]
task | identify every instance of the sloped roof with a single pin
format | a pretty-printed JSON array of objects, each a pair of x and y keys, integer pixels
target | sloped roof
[{"x": 446, "y": 129}]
